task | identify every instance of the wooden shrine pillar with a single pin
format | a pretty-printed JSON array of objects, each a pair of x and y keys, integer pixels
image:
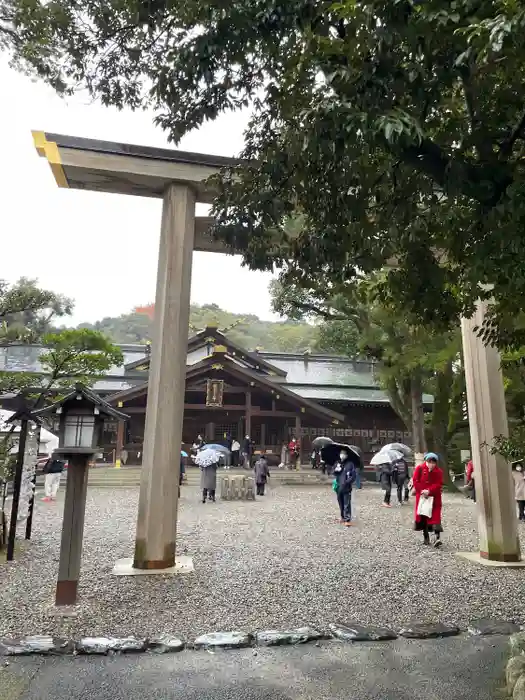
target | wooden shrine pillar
[
  {"x": 248, "y": 414},
  {"x": 298, "y": 438},
  {"x": 209, "y": 433},
  {"x": 121, "y": 430}
]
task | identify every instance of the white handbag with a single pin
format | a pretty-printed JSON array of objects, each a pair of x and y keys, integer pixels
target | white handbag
[{"x": 424, "y": 507}]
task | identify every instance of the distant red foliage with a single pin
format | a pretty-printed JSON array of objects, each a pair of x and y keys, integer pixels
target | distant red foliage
[{"x": 149, "y": 310}]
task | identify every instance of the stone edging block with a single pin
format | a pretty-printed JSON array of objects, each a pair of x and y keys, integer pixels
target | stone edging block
[{"x": 167, "y": 643}]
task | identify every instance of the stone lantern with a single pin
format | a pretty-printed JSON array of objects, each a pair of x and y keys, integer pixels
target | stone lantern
[{"x": 81, "y": 421}]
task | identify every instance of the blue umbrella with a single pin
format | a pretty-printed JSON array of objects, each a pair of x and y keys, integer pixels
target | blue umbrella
[
  {"x": 183, "y": 454},
  {"x": 218, "y": 448}
]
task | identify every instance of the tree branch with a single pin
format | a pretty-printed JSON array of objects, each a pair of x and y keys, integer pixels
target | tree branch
[
  {"x": 507, "y": 145},
  {"x": 468, "y": 94},
  {"x": 467, "y": 178},
  {"x": 312, "y": 308},
  {"x": 397, "y": 403},
  {"x": 482, "y": 144}
]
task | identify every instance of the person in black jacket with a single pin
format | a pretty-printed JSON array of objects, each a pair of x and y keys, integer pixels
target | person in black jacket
[
  {"x": 53, "y": 469},
  {"x": 345, "y": 474},
  {"x": 400, "y": 478}
]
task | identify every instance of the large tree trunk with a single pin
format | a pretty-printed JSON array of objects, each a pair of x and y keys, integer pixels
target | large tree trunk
[
  {"x": 445, "y": 413},
  {"x": 398, "y": 391},
  {"x": 418, "y": 415}
]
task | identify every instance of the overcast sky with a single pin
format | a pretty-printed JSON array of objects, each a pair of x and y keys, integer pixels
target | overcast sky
[{"x": 100, "y": 249}]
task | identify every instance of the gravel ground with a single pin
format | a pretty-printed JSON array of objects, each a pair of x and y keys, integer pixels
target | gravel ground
[{"x": 279, "y": 562}]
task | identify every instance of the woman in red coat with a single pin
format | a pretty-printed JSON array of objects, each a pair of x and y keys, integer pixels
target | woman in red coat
[{"x": 427, "y": 482}]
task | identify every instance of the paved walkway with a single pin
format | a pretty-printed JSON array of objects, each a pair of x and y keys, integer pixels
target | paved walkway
[{"x": 460, "y": 668}]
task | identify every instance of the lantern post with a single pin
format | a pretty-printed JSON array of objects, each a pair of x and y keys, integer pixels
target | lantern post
[{"x": 82, "y": 414}]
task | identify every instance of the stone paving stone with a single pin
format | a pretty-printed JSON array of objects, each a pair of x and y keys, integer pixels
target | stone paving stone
[
  {"x": 430, "y": 630},
  {"x": 487, "y": 626},
  {"x": 223, "y": 640},
  {"x": 165, "y": 644},
  {"x": 300, "y": 635},
  {"x": 352, "y": 632}
]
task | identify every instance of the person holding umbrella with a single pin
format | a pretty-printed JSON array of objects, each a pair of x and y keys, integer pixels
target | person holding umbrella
[
  {"x": 400, "y": 479},
  {"x": 208, "y": 461},
  {"x": 223, "y": 453},
  {"x": 384, "y": 460},
  {"x": 345, "y": 474},
  {"x": 406, "y": 452},
  {"x": 385, "y": 479},
  {"x": 318, "y": 444}
]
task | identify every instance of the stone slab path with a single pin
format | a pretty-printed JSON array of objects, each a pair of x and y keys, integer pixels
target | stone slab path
[{"x": 456, "y": 668}]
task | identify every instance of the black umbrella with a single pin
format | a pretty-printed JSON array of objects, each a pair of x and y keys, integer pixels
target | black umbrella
[
  {"x": 330, "y": 453},
  {"x": 321, "y": 441}
]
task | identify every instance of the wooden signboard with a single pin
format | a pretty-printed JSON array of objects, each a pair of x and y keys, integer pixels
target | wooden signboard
[{"x": 214, "y": 392}]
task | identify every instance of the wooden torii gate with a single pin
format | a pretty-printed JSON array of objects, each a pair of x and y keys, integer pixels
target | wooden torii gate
[{"x": 181, "y": 180}]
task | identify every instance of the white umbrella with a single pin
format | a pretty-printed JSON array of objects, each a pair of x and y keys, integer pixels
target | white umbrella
[
  {"x": 48, "y": 441},
  {"x": 385, "y": 457},
  {"x": 400, "y": 447},
  {"x": 206, "y": 458}
]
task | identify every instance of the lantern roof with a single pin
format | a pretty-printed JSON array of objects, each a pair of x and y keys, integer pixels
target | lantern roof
[
  {"x": 83, "y": 392},
  {"x": 23, "y": 414}
]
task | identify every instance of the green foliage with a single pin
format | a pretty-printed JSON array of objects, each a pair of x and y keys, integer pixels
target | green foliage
[
  {"x": 69, "y": 356},
  {"x": 7, "y": 461},
  {"x": 80, "y": 355},
  {"x": 27, "y": 312},
  {"x": 246, "y": 330},
  {"x": 410, "y": 359},
  {"x": 513, "y": 365},
  {"x": 339, "y": 336},
  {"x": 513, "y": 446},
  {"x": 395, "y": 128}
]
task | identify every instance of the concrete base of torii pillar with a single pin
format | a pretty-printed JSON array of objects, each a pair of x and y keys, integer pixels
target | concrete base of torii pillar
[{"x": 496, "y": 506}]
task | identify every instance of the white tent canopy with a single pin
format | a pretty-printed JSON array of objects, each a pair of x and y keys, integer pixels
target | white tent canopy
[{"x": 48, "y": 441}]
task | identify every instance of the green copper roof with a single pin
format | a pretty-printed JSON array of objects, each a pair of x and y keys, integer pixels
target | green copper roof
[
  {"x": 325, "y": 371},
  {"x": 344, "y": 393}
]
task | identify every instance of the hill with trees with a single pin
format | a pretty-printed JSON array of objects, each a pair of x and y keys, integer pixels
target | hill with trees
[{"x": 249, "y": 331}]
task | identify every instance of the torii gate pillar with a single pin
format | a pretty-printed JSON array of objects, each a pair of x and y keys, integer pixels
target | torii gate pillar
[
  {"x": 181, "y": 180},
  {"x": 157, "y": 514},
  {"x": 496, "y": 506}
]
